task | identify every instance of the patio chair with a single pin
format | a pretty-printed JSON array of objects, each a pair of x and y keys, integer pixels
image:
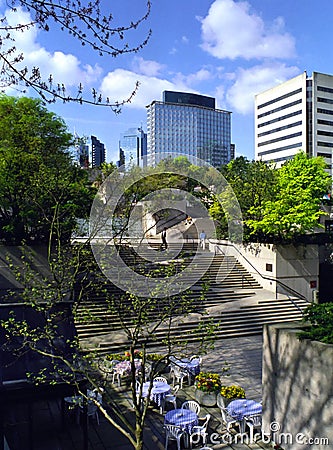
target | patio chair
[
  {"x": 220, "y": 401},
  {"x": 178, "y": 376},
  {"x": 172, "y": 432},
  {"x": 227, "y": 419},
  {"x": 106, "y": 367},
  {"x": 161, "y": 379},
  {"x": 92, "y": 408},
  {"x": 200, "y": 430},
  {"x": 192, "y": 405},
  {"x": 172, "y": 397},
  {"x": 253, "y": 422},
  {"x": 196, "y": 358}
]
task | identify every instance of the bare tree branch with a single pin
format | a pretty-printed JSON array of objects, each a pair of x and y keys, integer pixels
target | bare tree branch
[{"x": 85, "y": 22}]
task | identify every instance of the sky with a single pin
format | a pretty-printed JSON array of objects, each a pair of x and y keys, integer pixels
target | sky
[{"x": 226, "y": 49}]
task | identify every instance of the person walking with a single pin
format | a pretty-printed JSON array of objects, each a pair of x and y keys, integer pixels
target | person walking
[
  {"x": 164, "y": 241},
  {"x": 203, "y": 239}
]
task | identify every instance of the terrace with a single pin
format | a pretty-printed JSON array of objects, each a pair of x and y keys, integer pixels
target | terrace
[{"x": 55, "y": 429}]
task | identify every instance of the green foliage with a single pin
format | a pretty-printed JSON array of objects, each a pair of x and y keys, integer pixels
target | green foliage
[
  {"x": 295, "y": 210},
  {"x": 38, "y": 181},
  {"x": 320, "y": 318},
  {"x": 253, "y": 183},
  {"x": 138, "y": 354}
]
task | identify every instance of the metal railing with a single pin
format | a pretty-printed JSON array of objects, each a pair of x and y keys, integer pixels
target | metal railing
[{"x": 265, "y": 277}]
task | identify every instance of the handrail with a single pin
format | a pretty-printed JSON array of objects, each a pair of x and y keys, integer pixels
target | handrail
[{"x": 265, "y": 277}]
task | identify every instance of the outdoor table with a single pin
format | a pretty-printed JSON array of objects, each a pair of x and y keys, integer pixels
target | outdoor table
[
  {"x": 192, "y": 367},
  {"x": 158, "y": 391},
  {"x": 240, "y": 408},
  {"x": 182, "y": 418},
  {"x": 123, "y": 368}
]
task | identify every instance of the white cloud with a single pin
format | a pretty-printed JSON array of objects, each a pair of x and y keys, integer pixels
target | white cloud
[
  {"x": 203, "y": 74},
  {"x": 118, "y": 85},
  {"x": 252, "y": 81},
  {"x": 230, "y": 30},
  {"x": 146, "y": 67},
  {"x": 64, "y": 67}
]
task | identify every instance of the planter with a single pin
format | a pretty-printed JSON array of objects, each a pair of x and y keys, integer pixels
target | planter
[
  {"x": 223, "y": 402},
  {"x": 205, "y": 398}
]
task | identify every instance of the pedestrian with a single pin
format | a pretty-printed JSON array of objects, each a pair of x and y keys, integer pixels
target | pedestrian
[
  {"x": 203, "y": 239},
  {"x": 188, "y": 220},
  {"x": 164, "y": 241}
]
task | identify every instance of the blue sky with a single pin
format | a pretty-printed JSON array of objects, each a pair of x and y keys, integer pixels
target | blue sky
[{"x": 226, "y": 49}]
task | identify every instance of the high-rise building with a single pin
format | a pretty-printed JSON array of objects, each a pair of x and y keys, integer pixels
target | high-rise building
[
  {"x": 188, "y": 124},
  {"x": 97, "y": 152},
  {"x": 133, "y": 147},
  {"x": 295, "y": 115}
]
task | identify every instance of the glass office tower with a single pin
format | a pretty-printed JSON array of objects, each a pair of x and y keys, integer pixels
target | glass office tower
[
  {"x": 188, "y": 124},
  {"x": 133, "y": 147},
  {"x": 98, "y": 152}
]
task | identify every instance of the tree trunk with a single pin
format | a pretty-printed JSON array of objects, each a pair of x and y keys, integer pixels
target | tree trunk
[{"x": 138, "y": 437}]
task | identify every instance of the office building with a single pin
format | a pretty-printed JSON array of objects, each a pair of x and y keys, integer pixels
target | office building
[
  {"x": 190, "y": 125},
  {"x": 133, "y": 147},
  {"x": 98, "y": 152},
  {"x": 295, "y": 115}
]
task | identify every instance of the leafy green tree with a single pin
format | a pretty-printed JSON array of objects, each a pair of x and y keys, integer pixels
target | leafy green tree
[
  {"x": 139, "y": 319},
  {"x": 295, "y": 210},
  {"x": 38, "y": 181},
  {"x": 253, "y": 182}
]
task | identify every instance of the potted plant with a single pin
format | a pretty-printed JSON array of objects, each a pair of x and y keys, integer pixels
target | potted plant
[
  {"x": 229, "y": 393},
  {"x": 207, "y": 385}
]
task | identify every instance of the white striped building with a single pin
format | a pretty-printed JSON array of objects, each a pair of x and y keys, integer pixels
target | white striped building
[{"x": 297, "y": 114}]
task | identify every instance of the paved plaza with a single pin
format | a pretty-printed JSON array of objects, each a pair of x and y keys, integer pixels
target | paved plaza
[{"x": 50, "y": 433}]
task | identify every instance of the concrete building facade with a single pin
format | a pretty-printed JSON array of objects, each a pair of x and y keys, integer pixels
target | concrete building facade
[
  {"x": 295, "y": 115},
  {"x": 190, "y": 125}
]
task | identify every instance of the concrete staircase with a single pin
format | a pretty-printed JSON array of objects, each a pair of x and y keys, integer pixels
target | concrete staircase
[{"x": 235, "y": 305}]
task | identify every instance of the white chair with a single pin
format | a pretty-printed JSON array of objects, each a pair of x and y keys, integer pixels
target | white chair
[
  {"x": 253, "y": 422},
  {"x": 161, "y": 380},
  {"x": 195, "y": 358},
  {"x": 220, "y": 401},
  {"x": 227, "y": 419},
  {"x": 200, "y": 430},
  {"x": 106, "y": 367},
  {"x": 172, "y": 397},
  {"x": 92, "y": 408},
  {"x": 192, "y": 405},
  {"x": 178, "y": 376},
  {"x": 172, "y": 432}
]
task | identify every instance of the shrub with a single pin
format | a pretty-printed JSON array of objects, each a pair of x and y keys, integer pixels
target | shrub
[{"x": 320, "y": 318}]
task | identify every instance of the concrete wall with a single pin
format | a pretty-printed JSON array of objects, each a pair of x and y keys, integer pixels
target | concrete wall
[
  {"x": 294, "y": 266},
  {"x": 298, "y": 267},
  {"x": 297, "y": 389}
]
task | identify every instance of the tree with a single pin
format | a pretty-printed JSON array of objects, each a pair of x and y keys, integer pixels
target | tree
[
  {"x": 253, "y": 183},
  {"x": 301, "y": 184},
  {"x": 38, "y": 181},
  {"x": 71, "y": 269},
  {"x": 84, "y": 22}
]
